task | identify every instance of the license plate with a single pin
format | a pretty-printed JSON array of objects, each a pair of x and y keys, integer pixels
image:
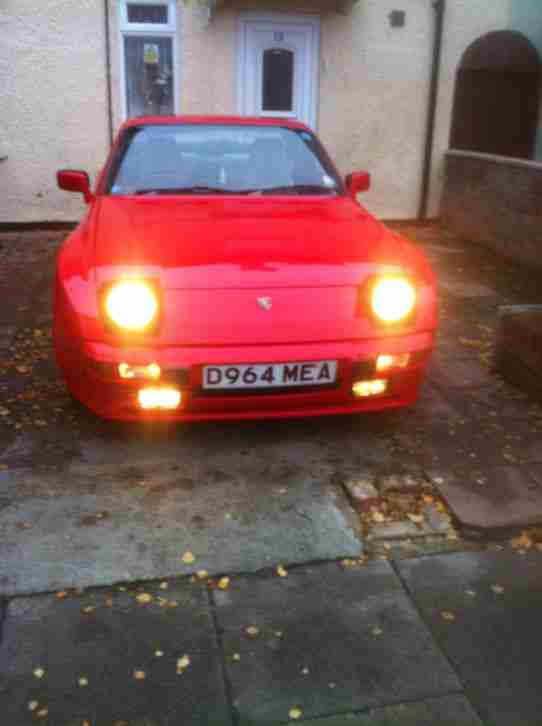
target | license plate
[{"x": 267, "y": 375}]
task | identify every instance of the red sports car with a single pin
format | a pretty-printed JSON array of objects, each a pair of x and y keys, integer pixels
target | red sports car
[{"x": 224, "y": 270}]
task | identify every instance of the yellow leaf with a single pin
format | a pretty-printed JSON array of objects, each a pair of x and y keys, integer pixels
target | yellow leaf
[
  {"x": 144, "y": 598},
  {"x": 416, "y": 518},
  {"x": 61, "y": 595},
  {"x": 236, "y": 657},
  {"x": 184, "y": 662},
  {"x": 282, "y": 571},
  {"x": 158, "y": 653},
  {"x": 42, "y": 713},
  {"x": 32, "y": 705},
  {"x": 378, "y": 517},
  {"x": 447, "y": 615},
  {"x": 188, "y": 558},
  {"x": 164, "y": 585},
  {"x": 295, "y": 713},
  {"x": 252, "y": 630},
  {"x": 523, "y": 542},
  {"x": 39, "y": 672},
  {"x": 139, "y": 675},
  {"x": 83, "y": 681},
  {"x": 202, "y": 574},
  {"x": 224, "y": 583}
]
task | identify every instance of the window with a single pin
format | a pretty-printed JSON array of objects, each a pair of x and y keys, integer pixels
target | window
[
  {"x": 148, "y": 46},
  {"x": 221, "y": 159},
  {"x": 278, "y": 80}
]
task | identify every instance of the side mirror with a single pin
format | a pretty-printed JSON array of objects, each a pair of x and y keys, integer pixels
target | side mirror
[
  {"x": 75, "y": 181},
  {"x": 358, "y": 181}
]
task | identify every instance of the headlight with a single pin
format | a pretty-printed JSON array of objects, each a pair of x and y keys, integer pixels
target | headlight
[
  {"x": 393, "y": 299},
  {"x": 132, "y": 305}
]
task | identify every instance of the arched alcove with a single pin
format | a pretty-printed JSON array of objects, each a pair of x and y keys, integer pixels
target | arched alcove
[{"x": 497, "y": 96}]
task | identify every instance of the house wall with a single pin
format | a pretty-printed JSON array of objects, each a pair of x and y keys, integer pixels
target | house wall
[
  {"x": 52, "y": 95},
  {"x": 525, "y": 17},
  {"x": 374, "y": 85}
]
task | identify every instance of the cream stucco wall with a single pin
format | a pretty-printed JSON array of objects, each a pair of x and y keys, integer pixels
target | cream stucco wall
[
  {"x": 373, "y": 90},
  {"x": 52, "y": 96}
]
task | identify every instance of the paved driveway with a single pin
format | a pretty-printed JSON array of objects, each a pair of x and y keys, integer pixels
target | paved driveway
[{"x": 85, "y": 502}]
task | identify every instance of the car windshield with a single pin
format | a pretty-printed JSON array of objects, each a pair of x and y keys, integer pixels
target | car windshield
[{"x": 221, "y": 159}]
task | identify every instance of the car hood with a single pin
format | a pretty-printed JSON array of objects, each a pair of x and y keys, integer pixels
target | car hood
[{"x": 236, "y": 243}]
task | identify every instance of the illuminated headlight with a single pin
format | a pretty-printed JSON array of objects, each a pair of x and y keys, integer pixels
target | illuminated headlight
[
  {"x": 365, "y": 389},
  {"x": 393, "y": 299},
  {"x": 132, "y": 305},
  {"x": 164, "y": 398}
]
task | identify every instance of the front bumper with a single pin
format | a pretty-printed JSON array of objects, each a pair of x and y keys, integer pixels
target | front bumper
[{"x": 91, "y": 374}]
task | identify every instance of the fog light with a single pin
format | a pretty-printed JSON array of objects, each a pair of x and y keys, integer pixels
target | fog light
[
  {"x": 151, "y": 371},
  {"x": 385, "y": 362},
  {"x": 364, "y": 389},
  {"x": 164, "y": 398}
]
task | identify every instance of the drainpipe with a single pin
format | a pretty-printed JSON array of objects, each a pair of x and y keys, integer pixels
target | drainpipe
[
  {"x": 108, "y": 72},
  {"x": 439, "y": 7}
]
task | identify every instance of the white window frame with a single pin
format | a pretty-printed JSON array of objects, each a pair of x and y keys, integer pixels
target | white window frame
[{"x": 161, "y": 30}]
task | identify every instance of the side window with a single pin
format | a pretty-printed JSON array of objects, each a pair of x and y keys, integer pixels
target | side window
[{"x": 148, "y": 38}]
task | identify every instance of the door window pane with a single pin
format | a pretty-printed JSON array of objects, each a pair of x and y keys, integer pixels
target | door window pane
[
  {"x": 278, "y": 80},
  {"x": 149, "y": 75},
  {"x": 140, "y": 13}
]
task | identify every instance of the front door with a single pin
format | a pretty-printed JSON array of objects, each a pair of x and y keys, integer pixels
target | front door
[{"x": 278, "y": 67}]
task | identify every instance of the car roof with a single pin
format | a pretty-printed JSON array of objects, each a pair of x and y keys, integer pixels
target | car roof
[{"x": 222, "y": 120}]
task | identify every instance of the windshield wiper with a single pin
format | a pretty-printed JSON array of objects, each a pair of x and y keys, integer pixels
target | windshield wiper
[
  {"x": 296, "y": 189},
  {"x": 188, "y": 190}
]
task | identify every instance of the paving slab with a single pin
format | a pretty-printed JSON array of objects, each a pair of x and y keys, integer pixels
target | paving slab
[
  {"x": 493, "y": 497},
  {"x": 106, "y": 646},
  {"x": 328, "y": 640},
  {"x": 447, "y": 711},
  {"x": 97, "y": 525},
  {"x": 494, "y": 642}
]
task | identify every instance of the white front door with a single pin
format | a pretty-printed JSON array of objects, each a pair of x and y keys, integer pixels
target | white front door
[{"x": 278, "y": 67}]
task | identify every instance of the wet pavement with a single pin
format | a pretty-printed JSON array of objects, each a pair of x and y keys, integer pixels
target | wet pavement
[{"x": 88, "y": 504}]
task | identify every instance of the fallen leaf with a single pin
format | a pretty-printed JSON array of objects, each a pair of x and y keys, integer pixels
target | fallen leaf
[
  {"x": 416, "y": 518},
  {"x": 252, "y": 630},
  {"x": 332, "y": 685},
  {"x": 470, "y": 593},
  {"x": 42, "y": 713},
  {"x": 295, "y": 713},
  {"x": 236, "y": 657},
  {"x": 88, "y": 609},
  {"x": 32, "y": 705},
  {"x": 184, "y": 662},
  {"x": 39, "y": 672},
  {"x": 188, "y": 558},
  {"x": 278, "y": 633},
  {"x": 139, "y": 675},
  {"x": 377, "y": 631},
  {"x": 144, "y": 598},
  {"x": 282, "y": 571},
  {"x": 108, "y": 602},
  {"x": 497, "y": 589},
  {"x": 224, "y": 583},
  {"x": 523, "y": 542},
  {"x": 378, "y": 517},
  {"x": 447, "y": 615},
  {"x": 305, "y": 671},
  {"x": 61, "y": 595},
  {"x": 164, "y": 585},
  {"x": 202, "y": 574},
  {"x": 83, "y": 681},
  {"x": 158, "y": 653},
  {"x": 428, "y": 499}
]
